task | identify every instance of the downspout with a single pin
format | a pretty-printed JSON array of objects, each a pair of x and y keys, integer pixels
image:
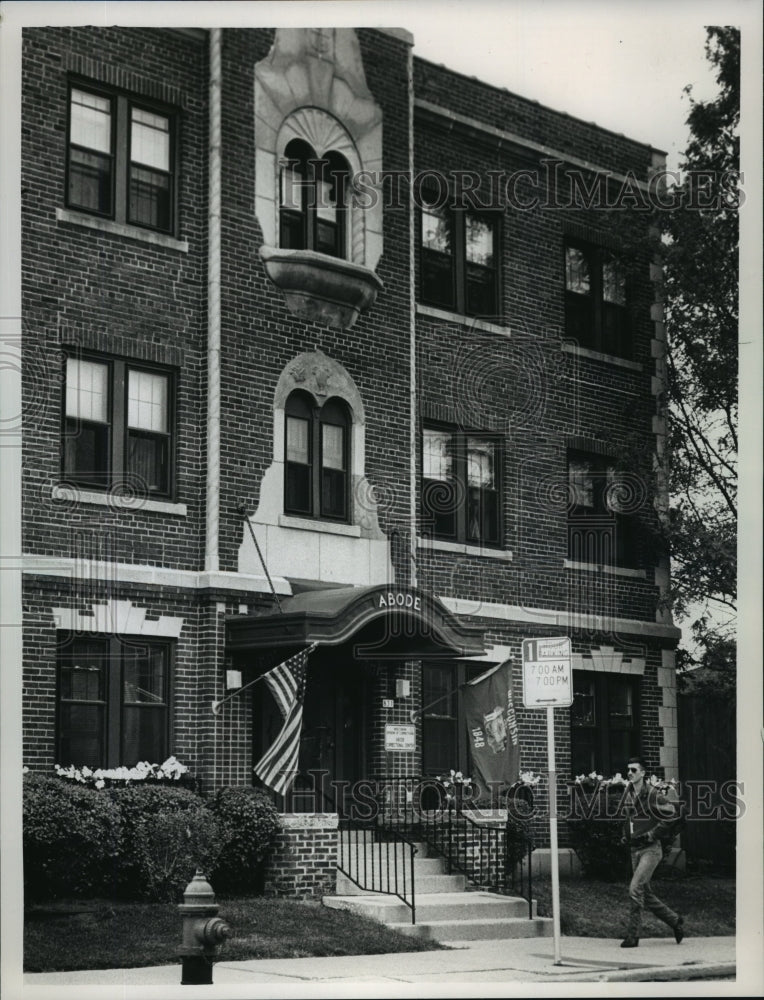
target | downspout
[
  {"x": 211, "y": 556},
  {"x": 412, "y": 336}
]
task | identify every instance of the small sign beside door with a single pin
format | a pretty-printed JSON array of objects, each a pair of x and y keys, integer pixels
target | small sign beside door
[{"x": 400, "y": 737}]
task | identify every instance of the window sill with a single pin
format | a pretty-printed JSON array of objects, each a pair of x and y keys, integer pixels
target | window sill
[
  {"x": 326, "y": 527},
  {"x": 73, "y": 495},
  {"x": 472, "y": 322},
  {"x": 638, "y": 574},
  {"x": 438, "y": 545},
  {"x": 610, "y": 359},
  {"x": 120, "y": 229}
]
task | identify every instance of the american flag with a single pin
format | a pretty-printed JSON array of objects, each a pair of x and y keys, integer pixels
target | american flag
[{"x": 278, "y": 766}]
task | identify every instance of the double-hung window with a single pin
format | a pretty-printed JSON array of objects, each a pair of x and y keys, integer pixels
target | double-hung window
[
  {"x": 118, "y": 425},
  {"x": 458, "y": 258},
  {"x": 604, "y": 721},
  {"x": 461, "y": 486},
  {"x": 113, "y": 701},
  {"x": 317, "y": 458},
  {"x": 312, "y": 205},
  {"x": 596, "y": 307},
  {"x": 121, "y": 157},
  {"x": 600, "y": 530},
  {"x": 444, "y": 743}
]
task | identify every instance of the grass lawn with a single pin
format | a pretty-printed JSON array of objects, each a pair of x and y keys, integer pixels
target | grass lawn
[
  {"x": 600, "y": 909},
  {"x": 100, "y": 934}
]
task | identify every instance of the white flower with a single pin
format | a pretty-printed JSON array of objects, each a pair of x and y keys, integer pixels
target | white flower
[{"x": 100, "y": 783}]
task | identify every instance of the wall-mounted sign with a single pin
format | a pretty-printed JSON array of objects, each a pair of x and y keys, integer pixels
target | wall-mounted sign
[
  {"x": 400, "y": 737},
  {"x": 388, "y": 702}
]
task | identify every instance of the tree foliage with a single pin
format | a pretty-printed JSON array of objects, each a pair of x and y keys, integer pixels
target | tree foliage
[{"x": 701, "y": 283}]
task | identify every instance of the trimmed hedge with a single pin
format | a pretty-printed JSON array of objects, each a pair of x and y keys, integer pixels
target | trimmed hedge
[
  {"x": 140, "y": 841},
  {"x": 249, "y": 823},
  {"x": 71, "y": 836}
]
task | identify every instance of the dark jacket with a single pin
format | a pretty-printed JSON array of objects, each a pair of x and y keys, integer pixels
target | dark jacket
[{"x": 648, "y": 816}]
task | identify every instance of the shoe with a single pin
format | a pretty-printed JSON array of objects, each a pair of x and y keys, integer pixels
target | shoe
[
  {"x": 630, "y": 942},
  {"x": 679, "y": 930}
]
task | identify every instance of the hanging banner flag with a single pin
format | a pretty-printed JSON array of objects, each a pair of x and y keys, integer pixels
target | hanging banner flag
[
  {"x": 278, "y": 766},
  {"x": 492, "y": 731}
]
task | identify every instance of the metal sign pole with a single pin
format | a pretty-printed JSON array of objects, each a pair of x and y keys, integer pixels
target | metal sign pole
[
  {"x": 547, "y": 682},
  {"x": 553, "y": 833}
]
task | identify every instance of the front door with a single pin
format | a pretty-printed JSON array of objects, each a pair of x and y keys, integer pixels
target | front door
[{"x": 331, "y": 742}]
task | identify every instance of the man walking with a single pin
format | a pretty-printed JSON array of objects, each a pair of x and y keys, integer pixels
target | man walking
[{"x": 648, "y": 815}]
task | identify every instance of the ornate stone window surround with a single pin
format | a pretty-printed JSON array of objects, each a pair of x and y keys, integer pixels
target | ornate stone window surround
[
  {"x": 312, "y": 87},
  {"x": 352, "y": 553},
  {"x": 322, "y": 378},
  {"x": 302, "y": 94}
]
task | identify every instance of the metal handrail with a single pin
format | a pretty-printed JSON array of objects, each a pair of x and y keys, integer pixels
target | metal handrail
[
  {"x": 360, "y": 846},
  {"x": 479, "y": 851}
]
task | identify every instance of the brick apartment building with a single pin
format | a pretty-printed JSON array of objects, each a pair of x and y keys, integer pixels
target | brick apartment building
[{"x": 326, "y": 342}]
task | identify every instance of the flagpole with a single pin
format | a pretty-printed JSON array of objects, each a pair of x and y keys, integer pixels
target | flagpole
[
  {"x": 415, "y": 713},
  {"x": 216, "y": 705},
  {"x": 243, "y": 512}
]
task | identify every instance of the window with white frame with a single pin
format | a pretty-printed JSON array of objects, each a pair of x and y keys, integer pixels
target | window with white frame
[
  {"x": 121, "y": 158},
  {"x": 118, "y": 425}
]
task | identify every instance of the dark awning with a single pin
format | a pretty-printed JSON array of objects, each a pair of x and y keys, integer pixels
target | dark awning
[{"x": 381, "y": 621}]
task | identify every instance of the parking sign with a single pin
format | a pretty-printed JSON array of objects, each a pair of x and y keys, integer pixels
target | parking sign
[{"x": 547, "y": 679}]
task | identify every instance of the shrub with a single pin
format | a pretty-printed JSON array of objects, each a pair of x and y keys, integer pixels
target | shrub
[
  {"x": 597, "y": 843},
  {"x": 72, "y": 839},
  {"x": 140, "y": 807},
  {"x": 249, "y": 823},
  {"x": 171, "y": 844}
]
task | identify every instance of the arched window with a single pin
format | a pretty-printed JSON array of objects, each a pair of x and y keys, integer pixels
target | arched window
[
  {"x": 317, "y": 458},
  {"x": 312, "y": 200}
]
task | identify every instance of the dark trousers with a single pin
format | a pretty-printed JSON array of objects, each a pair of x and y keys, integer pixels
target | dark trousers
[{"x": 644, "y": 861}]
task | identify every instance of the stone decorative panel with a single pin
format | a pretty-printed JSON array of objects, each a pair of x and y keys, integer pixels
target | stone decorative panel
[{"x": 116, "y": 618}]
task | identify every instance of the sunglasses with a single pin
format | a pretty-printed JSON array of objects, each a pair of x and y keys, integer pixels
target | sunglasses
[{"x": 630, "y": 769}]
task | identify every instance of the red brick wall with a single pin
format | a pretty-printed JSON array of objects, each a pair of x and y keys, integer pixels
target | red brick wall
[
  {"x": 89, "y": 289},
  {"x": 302, "y": 864}
]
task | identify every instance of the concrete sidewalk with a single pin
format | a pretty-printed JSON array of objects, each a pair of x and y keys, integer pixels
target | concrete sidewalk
[{"x": 470, "y": 962}]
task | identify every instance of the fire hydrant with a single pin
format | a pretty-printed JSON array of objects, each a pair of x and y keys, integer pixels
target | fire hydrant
[{"x": 203, "y": 931}]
